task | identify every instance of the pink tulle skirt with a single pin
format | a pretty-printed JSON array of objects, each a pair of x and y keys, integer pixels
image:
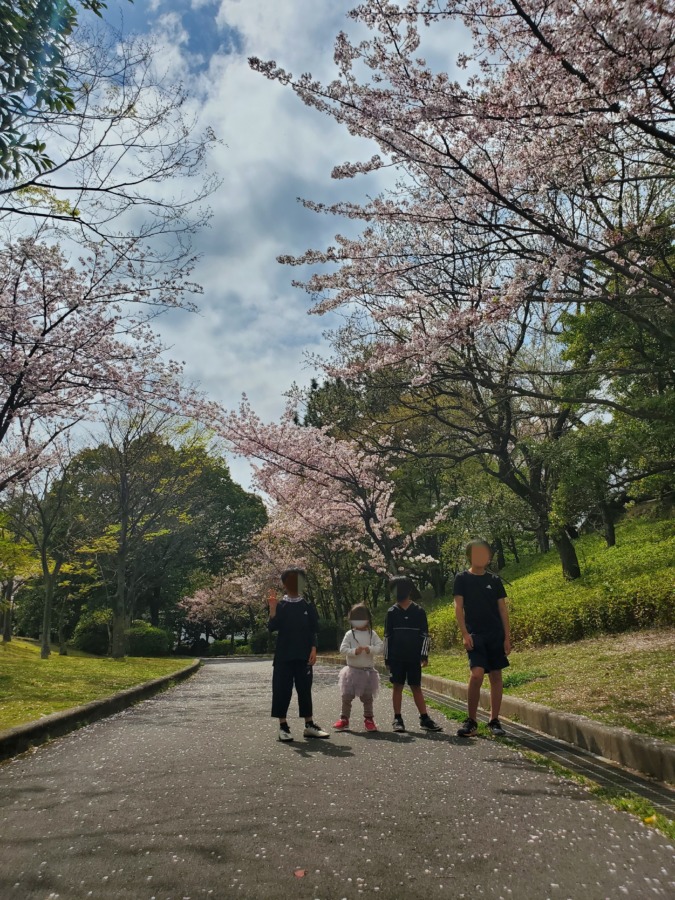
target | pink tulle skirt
[{"x": 359, "y": 682}]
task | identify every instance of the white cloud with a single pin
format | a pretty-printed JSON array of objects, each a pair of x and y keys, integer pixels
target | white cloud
[{"x": 253, "y": 326}]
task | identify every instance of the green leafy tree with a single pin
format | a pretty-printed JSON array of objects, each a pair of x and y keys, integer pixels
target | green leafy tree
[{"x": 34, "y": 37}]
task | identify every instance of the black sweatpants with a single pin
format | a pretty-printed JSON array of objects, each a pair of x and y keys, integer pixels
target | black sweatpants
[{"x": 286, "y": 673}]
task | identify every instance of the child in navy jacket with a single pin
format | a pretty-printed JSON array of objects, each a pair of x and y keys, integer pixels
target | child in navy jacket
[{"x": 406, "y": 651}]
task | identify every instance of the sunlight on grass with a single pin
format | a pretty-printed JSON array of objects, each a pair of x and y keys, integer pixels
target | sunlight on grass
[
  {"x": 31, "y": 688},
  {"x": 626, "y": 680}
]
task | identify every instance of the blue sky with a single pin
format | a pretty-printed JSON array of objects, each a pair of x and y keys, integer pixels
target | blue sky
[{"x": 253, "y": 329}]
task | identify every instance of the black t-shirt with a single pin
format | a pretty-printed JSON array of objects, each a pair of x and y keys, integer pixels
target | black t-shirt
[
  {"x": 481, "y": 609},
  {"x": 297, "y": 622}
]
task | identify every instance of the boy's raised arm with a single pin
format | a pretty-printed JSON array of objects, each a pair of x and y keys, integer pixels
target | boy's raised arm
[{"x": 273, "y": 621}]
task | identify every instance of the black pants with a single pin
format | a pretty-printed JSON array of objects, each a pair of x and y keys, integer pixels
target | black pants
[{"x": 286, "y": 673}]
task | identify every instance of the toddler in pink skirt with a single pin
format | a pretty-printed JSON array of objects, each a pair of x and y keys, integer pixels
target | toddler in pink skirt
[{"x": 359, "y": 677}]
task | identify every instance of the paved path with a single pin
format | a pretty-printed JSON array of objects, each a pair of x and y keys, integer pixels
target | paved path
[{"x": 188, "y": 795}]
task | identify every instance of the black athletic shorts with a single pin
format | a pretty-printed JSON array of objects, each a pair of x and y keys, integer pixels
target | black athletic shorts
[
  {"x": 400, "y": 672},
  {"x": 488, "y": 652}
]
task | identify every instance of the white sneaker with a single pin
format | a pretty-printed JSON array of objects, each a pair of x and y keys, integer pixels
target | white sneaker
[
  {"x": 313, "y": 731},
  {"x": 285, "y": 734}
]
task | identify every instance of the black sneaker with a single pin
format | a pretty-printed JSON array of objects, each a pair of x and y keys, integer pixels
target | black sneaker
[
  {"x": 428, "y": 724},
  {"x": 468, "y": 729},
  {"x": 495, "y": 727},
  {"x": 398, "y": 723},
  {"x": 285, "y": 732}
]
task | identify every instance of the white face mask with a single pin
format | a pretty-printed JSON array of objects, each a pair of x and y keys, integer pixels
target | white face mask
[{"x": 359, "y": 623}]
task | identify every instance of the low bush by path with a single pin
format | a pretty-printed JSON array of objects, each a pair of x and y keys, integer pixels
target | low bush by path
[
  {"x": 31, "y": 687},
  {"x": 631, "y": 585},
  {"x": 626, "y": 679}
]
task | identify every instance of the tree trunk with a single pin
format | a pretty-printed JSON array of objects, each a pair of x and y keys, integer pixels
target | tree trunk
[
  {"x": 608, "y": 525},
  {"x": 499, "y": 553},
  {"x": 63, "y": 649},
  {"x": 335, "y": 590},
  {"x": 542, "y": 537},
  {"x": 45, "y": 648},
  {"x": 438, "y": 581},
  {"x": 8, "y": 597},
  {"x": 154, "y": 612},
  {"x": 119, "y": 611},
  {"x": 568, "y": 555},
  {"x": 513, "y": 548}
]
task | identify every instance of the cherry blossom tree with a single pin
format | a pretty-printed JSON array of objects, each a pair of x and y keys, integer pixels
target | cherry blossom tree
[
  {"x": 72, "y": 334},
  {"x": 540, "y": 183},
  {"x": 223, "y": 606},
  {"x": 556, "y": 151},
  {"x": 323, "y": 486}
]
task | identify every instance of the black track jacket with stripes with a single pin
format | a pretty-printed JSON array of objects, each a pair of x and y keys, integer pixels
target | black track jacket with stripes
[{"x": 406, "y": 634}]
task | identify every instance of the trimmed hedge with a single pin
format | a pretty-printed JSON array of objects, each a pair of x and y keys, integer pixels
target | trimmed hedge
[
  {"x": 146, "y": 640},
  {"x": 92, "y": 632},
  {"x": 263, "y": 641},
  {"x": 220, "y": 648},
  {"x": 328, "y": 638}
]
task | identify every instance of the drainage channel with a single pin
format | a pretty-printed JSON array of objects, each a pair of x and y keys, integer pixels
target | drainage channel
[{"x": 579, "y": 761}]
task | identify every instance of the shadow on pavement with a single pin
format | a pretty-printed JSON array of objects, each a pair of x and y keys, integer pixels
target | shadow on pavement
[
  {"x": 307, "y": 748},
  {"x": 400, "y": 738}
]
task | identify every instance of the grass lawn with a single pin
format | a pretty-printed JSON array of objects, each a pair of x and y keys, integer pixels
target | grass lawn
[
  {"x": 31, "y": 688},
  {"x": 631, "y": 585},
  {"x": 626, "y": 679}
]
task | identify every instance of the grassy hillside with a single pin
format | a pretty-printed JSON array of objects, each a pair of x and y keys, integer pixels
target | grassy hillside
[
  {"x": 631, "y": 585},
  {"x": 625, "y": 679},
  {"x": 31, "y": 688}
]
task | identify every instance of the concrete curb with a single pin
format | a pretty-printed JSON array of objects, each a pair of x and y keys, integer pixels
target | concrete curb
[
  {"x": 633, "y": 751},
  {"x": 21, "y": 738}
]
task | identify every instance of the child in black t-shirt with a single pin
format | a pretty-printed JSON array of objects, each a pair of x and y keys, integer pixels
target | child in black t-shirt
[
  {"x": 406, "y": 650},
  {"x": 296, "y": 621},
  {"x": 482, "y": 616}
]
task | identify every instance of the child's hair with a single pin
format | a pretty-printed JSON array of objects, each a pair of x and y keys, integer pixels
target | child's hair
[
  {"x": 477, "y": 542},
  {"x": 403, "y": 586},
  {"x": 361, "y": 611},
  {"x": 289, "y": 578}
]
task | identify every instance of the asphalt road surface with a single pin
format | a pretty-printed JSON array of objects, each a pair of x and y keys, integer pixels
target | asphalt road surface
[{"x": 189, "y": 795}]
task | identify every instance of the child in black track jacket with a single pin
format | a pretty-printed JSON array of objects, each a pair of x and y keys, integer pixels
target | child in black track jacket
[
  {"x": 406, "y": 651},
  {"x": 296, "y": 621}
]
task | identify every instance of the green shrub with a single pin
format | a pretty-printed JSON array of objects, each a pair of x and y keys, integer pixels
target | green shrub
[
  {"x": 443, "y": 628},
  {"x": 146, "y": 640},
  {"x": 243, "y": 650},
  {"x": 220, "y": 648},
  {"x": 263, "y": 641},
  {"x": 93, "y": 632}
]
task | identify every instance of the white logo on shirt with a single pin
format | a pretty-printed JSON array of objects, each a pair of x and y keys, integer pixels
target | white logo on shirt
[{"x": 488, "y": 586}]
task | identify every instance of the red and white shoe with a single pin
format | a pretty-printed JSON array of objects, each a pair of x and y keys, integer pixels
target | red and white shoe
[
  {"x": 369, "y": 722},
  {"x": 342, "y": 724}
]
